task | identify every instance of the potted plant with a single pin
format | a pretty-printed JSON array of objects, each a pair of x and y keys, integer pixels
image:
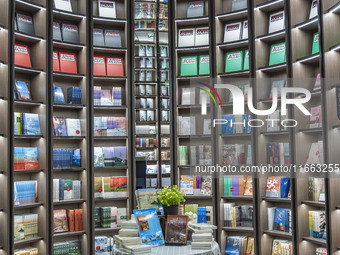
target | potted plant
[{"x": 170, "y": 197}]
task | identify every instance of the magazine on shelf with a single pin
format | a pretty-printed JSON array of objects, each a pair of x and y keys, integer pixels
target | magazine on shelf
[
  {"x": 239, "y": 5},
  {"x": 186, "y": 37},
  {"x": 232, "y": 32},
  {"x": 113, "y": 38},
  {"x": 245, "y": 30},
  {"x": 276, "y": 22},
  {"x": 70, "y": 33},
  {"x": 107, "y": 9},
  {"x": 63, "y": 5},
  {"x": 195, "y": 9},
  {"x": 57, "y": 31},
  {"x": 98, "y": 37},
  {"x": 202, "y": 36},
  {"x": 176, "y": 229},
  {"x": 25, "y": 23}
]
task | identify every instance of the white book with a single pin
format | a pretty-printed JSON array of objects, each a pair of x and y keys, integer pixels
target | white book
[
  {"x": 121, "y": 216},
  {"x": 73, "y": 127},
  {"x": 195, "y": 9},
  {"x": 313, "y": 9},
  {"x": 232, "y": 32},
  {"x": 239, "y": 5},
  {"x": 207, "y": 127},
  {"x": 186, "y": 37},
  {"x": 238, "y": 128},
  {"x": 107, "y": 9},
  {"x": 64, "y": 5},
  {"x": 271, "y": 215},
  {"x": 314, "y": 154},
  {"x": 273, "y": 124},
  {"x": 276, "y": 21},
  {"x": 188, "y": 96},
  {"x": 202, "y": 36},
  {"x": 148, "y": 90},
  {"x": 245, "y": 30},
  {"x": 320, "y": 145}
]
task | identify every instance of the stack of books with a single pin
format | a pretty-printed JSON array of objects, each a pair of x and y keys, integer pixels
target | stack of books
[
  {"x": 236, "y": 61},
  {"x": 73, "y": 95},
  {"x": 65, "y": 62},
  {"x": 22, "y": 56},
  {"x": 69, "y": 220},
  {"x": 278, "y": 187},
  {"x": 27, "y": 251},
  {"x": 26, "y": 158},
  {"x": 24, "y": 23},
  {"x": 26, "y": 124},
  {"x": 238, "y": 216},
  {"x": 66, "y": 158},
  {"x": 110, "y": 187},
  {"x": 67, "y": 247},
  {"x": 110, "y": 156},
  {"x": 279, "y": 219},
  {"x": 237, "y": 185},
  {"x": 66, "y": 189},
  {"x": 109, "y": 217},
  {"x": 282, "y": 247},
  {"x": 195, "y": 65},
  {"x": 66, "y": 32},
  {"x": 277, "y": 54},
  {"x": 25, "y": 226},
  {"x": 103, "y": 244},
  {"x": 107, "y": 97},
  {"x": 129, "y": 230},
  {"x": 108, "y": 66},
  {"x": 240, "y": 245},
  {"x": 317, "y": 224},
  {"x": 196, "y": 185},
  {"x": 25, "y": 192},
  {"x": 110, "y": 126},
  {"x": 202, "y": 241}
]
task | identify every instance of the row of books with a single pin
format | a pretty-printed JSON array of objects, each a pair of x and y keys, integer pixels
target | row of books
[
  {"x": 145, "y": 11},
  {"x": 146, "y": 143},
  {"x": 279, "y": 219},
  {"x": 109, "y": 217},
  {"x": 104, "y": 245},
  {"x": 197, "y": 214},
  {"x": 26, "y": 158},
  {"x": 188, "y": 96},
  {"x": 107, "y": 37},
  {"x": 199, "y": 155},
  {"x": 106, "y": 8},
  {"x": 110, "y": 126},
  {"x": 237, "y": 61},
  {"x": 190, "y": 65},
  {"x": 66, "y": 126},
  {"x": 236, "y": 154},
  {"x": 65, "y": 62},
  {"x": 236, "y": 124},
  {"x": 66, "y": 158},
  {"x": 278, "y": 187},
  {"x": 147, "y": 90},
  {"x": 25, "y": 226},
  {"x": 282, "y": 247},
  {"x": 68, "y": 247},
  {"x": 146, "y": 115},
  {"x": 238, "y": 186},
  {"x": 110, "y": 187},
  {"x": 240, "y": 245},
  {"x": 27, "y": 251},
  {"x": 149, "y": 75},
  {"x": 69, "y": 220},
  {"x": 66, "y": 189},
  {"x": 187, "y": 125},
  {"x": 153, "y": 182},
  {"x": 26, "y": 124},
  {"x": 190, "y": 37},
  {"x": 25, "y": 192},
  {"x": 107, "y": 97},
  {"x": 276, "y": 119},
  {"x": 236, "y": 31},
  {"x": 196, "y": 185},
  {"x": 278, "y": 153},
  {"x": 154, "y": 169},
  {"x": 110, "y": 156},
  {"x": 151, "y": 155},
  {"x": 316, "y": 189},
  {"x": 66, "y": 32},
  {"x": 108, "y": 66},
  {"x": 73, "y": 95},
  {"x": 237, "y": 216},
  {"x": 317, "y": 224},
  {"x": 320, "y": 251}
]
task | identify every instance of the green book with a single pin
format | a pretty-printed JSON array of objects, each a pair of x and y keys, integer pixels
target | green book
[
  {"x": 204, "y": 65},
  {"x": 227, "y": 183},
  {"x": 234, "y": 61},
  {"x": 277, "y": 54},
  {"x": 183, "y": 155},
  {"x": 97, "y": 222},
  {"x": 189, "y": 66},
  {"x": 315, "y": 47},
  {"x": 246, "y": 60}
]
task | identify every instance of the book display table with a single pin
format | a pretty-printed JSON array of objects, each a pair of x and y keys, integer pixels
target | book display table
[{"x": 175, "y": 250}]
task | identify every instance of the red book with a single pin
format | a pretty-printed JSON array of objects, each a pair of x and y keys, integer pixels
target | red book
[
  {"x": 68, "y": 62},
  {"x": 70, "y": 214},
  {"x": 78, "y": 226},
  {"x": 56, "y": 64},
  {"x": 114, "y": 66},
  {"x": 99, "y": 67},
  {"x": 22, "y": 56}
]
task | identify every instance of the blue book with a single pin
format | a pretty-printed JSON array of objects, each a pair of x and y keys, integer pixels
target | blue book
[
  {"x": 228, "y": 128},
  {"x": 246, "y": 127},
  {"x": 58, "y": 95},
  {"x": 22, "y": 91},
  {"x": 201, "y": 215},
  {"x": 285, "y": 186},
  {"x": 76, "y": 157},
  {"x": 59, "y": 126},
  {"x": 31, "y": 124},
  {"x": 233, "y": 245},
  {"x": 149, "y": 228},
  {"x": 61, "y": 189},
  {"x": 281, "y": 220}
]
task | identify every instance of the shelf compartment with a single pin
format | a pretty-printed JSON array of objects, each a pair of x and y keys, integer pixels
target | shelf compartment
[
  {"x": 233, "y": 45},
  {"x": 109, "y": 168},
  {"x": 27, "y": 206},
  {"x": 317, "y": 241},
  {"x": 69, "y": 234},
  {"x": 27, "y": 70},
  {"x": 105, "y": 230},
  {"x": 28, "y": 136},
  {"x": 271, "y": 6},
  {"x": 283, "y": 132},
  {"x": 68, "y": 137},
  {"x": 238, "y": 229},
  {"x": 278, "y": 233},
  {"x": 103, "y": 49},
  {"x": 71, "y": 201},
  {"x": 247, "y": 198},
  {"x": 185, "y": 78},
  {"x": 277, "y": 199},
  {"x": 68, "y": 45},
  {"x": 311, "y": 130},
  {"x": 74, "y": 169},
  {"x": 238, "y": 74},
  {"x": 192, "y": 21},
  {"x": 273, "y": 37},
  {"x": 69, "y": 106},
  {"x": 28, "y": 171},
  {"x": 334, "y": 9},
  {"x": 110, "y": 137},
  {"x": 198, "y": 197},
  {"x": 236, "y": 135},
  {"x": 235, "y": 15},
  {"x": 65, "y": 15},
  {"x": 108, "y": 78},
  {"x": 310, "y": 60},
  {"x": 274, "y": 68},
  {"x": 110, "y": 199},
  {"x": 70, "y": 76},
  {"x": 109, "y": 21},
  {"x": 314, "y": 203},
  {"x": 28, "y": 6},
  {"x": 28, "y": 241},
  {"x": 107, "y": 107},
  {"x": 27, "y": 103},
  {"x": 311, "y": 24},
  {"x": 28, "y": 38},
  {"x": 194, "y": 136},
  {"x": 192, "y": 49}
]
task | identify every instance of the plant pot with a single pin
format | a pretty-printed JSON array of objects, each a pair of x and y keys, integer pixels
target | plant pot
[{"x": 170, "y": 210}]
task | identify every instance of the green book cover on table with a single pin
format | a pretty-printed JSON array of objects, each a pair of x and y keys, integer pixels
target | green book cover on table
[
  {"x": 189, "y": 66},
  {"x": 246, "y": 60},
  {"x": 234, "y": 61},
  {"x": 315, "y": 47},
  {"x": 277, "y": 54},
  {"x": 204, "y": 65}
]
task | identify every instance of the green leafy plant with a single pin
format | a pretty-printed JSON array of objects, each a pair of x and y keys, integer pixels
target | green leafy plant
[{"x": 170, "y": 196}]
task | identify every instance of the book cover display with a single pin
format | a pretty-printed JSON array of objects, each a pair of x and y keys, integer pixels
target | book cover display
[
  {"x": 315, "y": 46},
  {"x": 25, "y": 23},
  {"x": 204, "y": 65},
  {"x": 22, "y": 55},
  {"x": 149, "y": 227},
  {"x": 189, "y": 66},
  {"x": 232, "y": 32},
  {"x": 176, "y": 229},
  {"x": 277, "y": 54},
  {"x": 234, "y": 61},
  {"x": 195, "y": 9},
  {"x": 68, "y": 62}
]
